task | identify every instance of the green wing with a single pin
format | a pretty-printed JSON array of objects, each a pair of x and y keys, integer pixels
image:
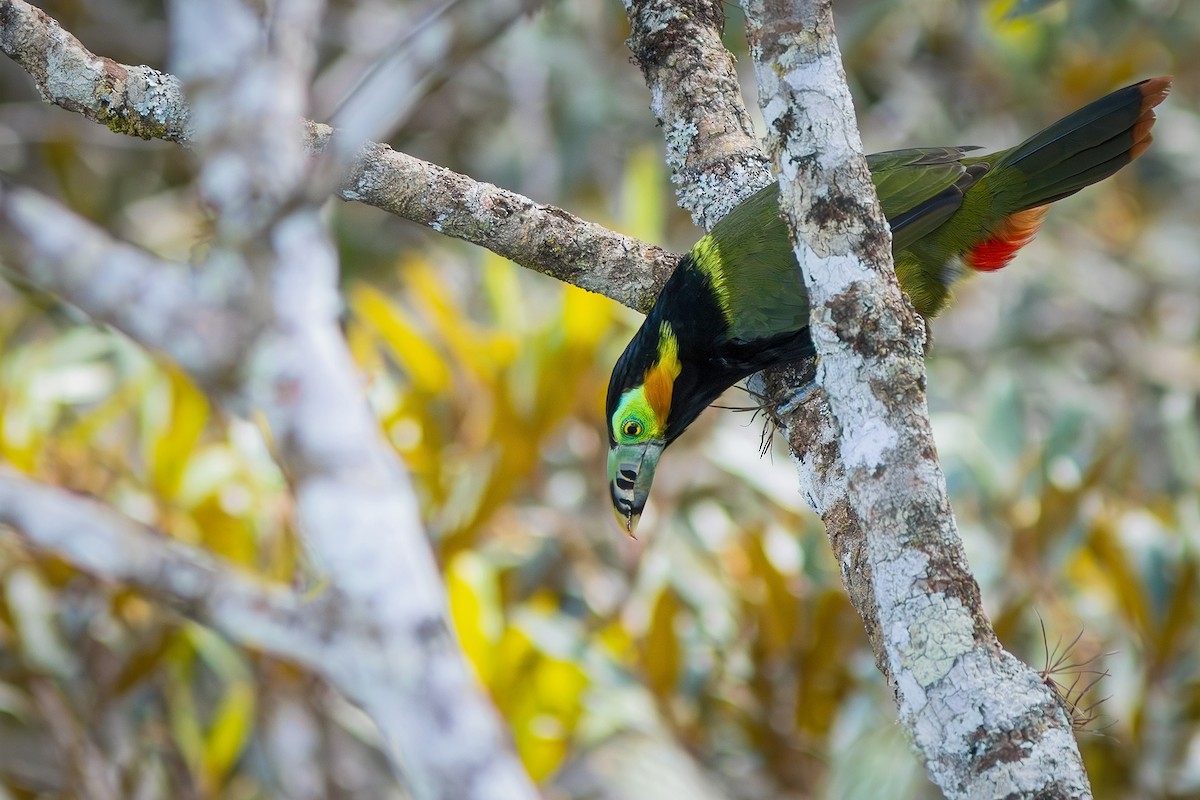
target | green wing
[
  {"x": 748, "y": 260},
  {"x": 920, "y": 188}
]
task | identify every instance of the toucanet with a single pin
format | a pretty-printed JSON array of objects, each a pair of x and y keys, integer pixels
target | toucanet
[{"x": 736, "y": 302}]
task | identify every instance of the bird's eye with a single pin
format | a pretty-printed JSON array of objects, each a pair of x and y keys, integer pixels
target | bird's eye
[{"x": 631, "y": 428}]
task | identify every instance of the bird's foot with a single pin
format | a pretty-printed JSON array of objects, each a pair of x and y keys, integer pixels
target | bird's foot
[{"x": 795, "y": 397}]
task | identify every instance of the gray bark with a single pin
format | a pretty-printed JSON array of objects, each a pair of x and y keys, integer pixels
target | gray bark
[
  {"x": 714, "y": 157},
  {"x": 986, "y": 725}
]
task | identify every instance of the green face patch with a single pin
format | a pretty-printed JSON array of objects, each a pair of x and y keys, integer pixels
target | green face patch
[
  {"x": 635, "y": 421},
  {"x": 642, "y": 413}
]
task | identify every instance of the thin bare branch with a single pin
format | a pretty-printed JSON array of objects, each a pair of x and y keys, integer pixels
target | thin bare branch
[
  {"x": 144, "y": 102},
  {"x": 194, "y": 316}
]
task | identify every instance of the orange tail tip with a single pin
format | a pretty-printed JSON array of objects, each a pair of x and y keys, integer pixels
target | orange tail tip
[
  {"x": 1154, "y": 91},
  {"x": 1014, "y": 233},
  {"x": 1018, "y": 229}
]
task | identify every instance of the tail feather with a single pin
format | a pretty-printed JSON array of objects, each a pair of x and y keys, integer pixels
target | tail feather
[
  {"x": 1079, "y": 170},
  {"x": 1086, "y": 146},
  {"x": 1142, "y": 137}
]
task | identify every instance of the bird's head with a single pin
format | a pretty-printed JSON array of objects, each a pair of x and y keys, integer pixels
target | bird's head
[{"x": 640, "y": 423}]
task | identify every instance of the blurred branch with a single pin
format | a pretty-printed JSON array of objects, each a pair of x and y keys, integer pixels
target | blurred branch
[
  {"x": 395, "y": 654},
  {"x": 422, "y": 58},
  {"x": 392, "y": 651},
  {"x": 147, "y": 103},
  {"x": 984, "y": 723},
  {"x": 97, "y": 540},
  {"x": 714, "y": 156},
  {"x": 244, "y": 97},
  {"x": 193, "y": 316},
  {"x": 637, "y": 765}
]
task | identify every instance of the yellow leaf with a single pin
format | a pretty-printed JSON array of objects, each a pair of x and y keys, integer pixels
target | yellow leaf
[
  {"x": 661, "y": 651},
  {"x": 422, "y": 362},
  {"x": 504, "y": 294},
  {"x": 229, "y": 730},
  {"x": 186, "y": 732},
  {"x": 231, "y": 722},
  {"x": 20, "y": 441},
  {"x": 226, "y": 535},
  {"x": 475, "y": 610},
  {"x": 585, "y": 318},
  {"x": 172, "y": 446},
  {"x": 558, "y": 685},
  {"x": 777, "y": 605},
  {"x": 642, "y": 213},
  {"x": 514, "y": 657},
  {"x": 481, "y": 351},
  {"x": 617, "y": 642},
  {"x": 1119, "y": 576},
  {"x": 544, "y": 709}
]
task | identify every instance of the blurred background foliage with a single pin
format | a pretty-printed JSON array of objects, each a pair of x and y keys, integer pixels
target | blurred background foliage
[{"x": 718, "y": 656}]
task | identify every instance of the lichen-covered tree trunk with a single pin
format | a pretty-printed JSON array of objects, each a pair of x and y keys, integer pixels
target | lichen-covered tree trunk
[{"x": 985, "y": 723}]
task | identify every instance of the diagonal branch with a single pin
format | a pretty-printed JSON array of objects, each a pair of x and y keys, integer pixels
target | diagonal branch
[
  {"x": 540, "y": 237},
  {"x": 140, "y": 101},
  {"x": 99, "y": 541},
  {"x": 194, "y": 316}
]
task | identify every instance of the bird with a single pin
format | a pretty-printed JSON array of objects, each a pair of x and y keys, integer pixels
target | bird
[{"x": 736, "y": 303}]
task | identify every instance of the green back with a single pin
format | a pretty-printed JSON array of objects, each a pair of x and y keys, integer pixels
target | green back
[{"x": 748, "y": 260}]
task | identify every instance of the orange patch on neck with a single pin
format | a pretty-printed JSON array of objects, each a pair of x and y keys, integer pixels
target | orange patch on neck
[
  {"x": 659, "y": 383},
  {"x": 1016, "y": 231}
]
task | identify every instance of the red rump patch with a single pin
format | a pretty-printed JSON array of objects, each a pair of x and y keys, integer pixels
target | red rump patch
[{"x": 1016, "y": 231}]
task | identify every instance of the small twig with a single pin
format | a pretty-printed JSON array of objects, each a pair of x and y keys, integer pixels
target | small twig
[{"x": 1056, "y": 663}]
